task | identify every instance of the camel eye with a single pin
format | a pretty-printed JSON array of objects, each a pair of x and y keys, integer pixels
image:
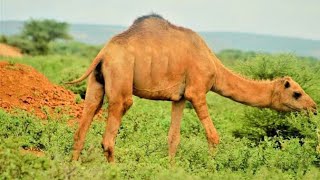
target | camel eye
[{"x": 296, "y": 95}]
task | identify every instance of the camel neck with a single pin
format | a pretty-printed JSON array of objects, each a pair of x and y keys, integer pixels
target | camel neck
[{"x": 242, "y": 90}]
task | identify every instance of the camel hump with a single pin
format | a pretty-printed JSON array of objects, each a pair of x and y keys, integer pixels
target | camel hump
[{"x": 150, "y": 16}]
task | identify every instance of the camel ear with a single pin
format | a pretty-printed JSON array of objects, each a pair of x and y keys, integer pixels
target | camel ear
[{"x": 286, "y": 84}]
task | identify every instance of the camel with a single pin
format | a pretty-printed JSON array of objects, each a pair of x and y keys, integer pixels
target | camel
[{"x": 154, "y": 59}]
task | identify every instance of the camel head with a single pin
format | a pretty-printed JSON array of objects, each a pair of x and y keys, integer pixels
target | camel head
[{"x": 289, "y": 96}]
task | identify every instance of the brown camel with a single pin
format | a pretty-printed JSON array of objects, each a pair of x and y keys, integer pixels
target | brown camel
[{"x": 155, "y": 59}]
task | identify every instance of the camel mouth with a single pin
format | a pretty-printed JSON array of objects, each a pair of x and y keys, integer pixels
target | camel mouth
[
  {"x": 312, "y": 110},
  {"x": 315, "y": 111},
  {"x": 306, "y": 111},
  {"x": 291, "y": 108}
]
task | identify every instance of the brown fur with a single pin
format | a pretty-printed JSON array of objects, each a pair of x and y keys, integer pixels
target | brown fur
[{"x": 154, "y": 59}]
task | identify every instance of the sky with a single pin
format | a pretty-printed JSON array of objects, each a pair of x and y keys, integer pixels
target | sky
[{"x": 291, "y": 18}]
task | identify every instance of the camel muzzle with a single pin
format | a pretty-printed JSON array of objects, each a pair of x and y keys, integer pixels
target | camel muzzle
[{"x": 315, "y": 111}]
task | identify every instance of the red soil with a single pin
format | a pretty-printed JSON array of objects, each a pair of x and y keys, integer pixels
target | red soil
[
  {"x": 22, "y": 87},
  {"x": 9, "y": 51}
]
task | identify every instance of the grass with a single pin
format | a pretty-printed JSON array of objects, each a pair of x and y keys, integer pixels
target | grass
[
  {"x": 141, "y": 148},
  {"x": 247, "y": 150}
]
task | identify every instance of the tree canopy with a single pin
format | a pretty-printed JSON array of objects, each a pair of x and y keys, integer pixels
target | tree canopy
[
  {"x": 42, "y": 32},
  {"x": 37, "y": 34},
  {"x": 45, "y": 30}
]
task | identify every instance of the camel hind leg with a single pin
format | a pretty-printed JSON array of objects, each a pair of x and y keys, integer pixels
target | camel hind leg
[
  {"x": 93, "y": 102},
  {"x": 115, "y": 112},
  {"x": 174, "y": 132},
  {"x": 119, "y": 94}
]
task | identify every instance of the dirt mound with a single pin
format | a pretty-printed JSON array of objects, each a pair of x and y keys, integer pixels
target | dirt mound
[
  {"x": 9, "y": 51},
  {"x": 23, "y": 87}
]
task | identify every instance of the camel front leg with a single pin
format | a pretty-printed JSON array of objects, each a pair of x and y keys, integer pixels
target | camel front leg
[
  {"x": 174, "y": 132},
  {"x": 200, "y": 105}
]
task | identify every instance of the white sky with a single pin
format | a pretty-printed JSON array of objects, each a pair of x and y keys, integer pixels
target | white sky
[{"x": 294, "y": 18}]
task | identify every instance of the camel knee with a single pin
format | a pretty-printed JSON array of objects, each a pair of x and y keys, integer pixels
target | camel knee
[
  {"x": 79, "y": 135},
  {"x": 173, "y": 145},
  {"x": 127, "y": 104},
  {"x": 92, "y": 106},
  {"x": 76, "y": 136},
  {"x": 174, "y": 139},
  {"x": 120, "y": 106}
]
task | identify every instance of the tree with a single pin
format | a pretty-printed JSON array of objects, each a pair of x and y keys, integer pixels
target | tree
[{"x": 42, "y": 32}]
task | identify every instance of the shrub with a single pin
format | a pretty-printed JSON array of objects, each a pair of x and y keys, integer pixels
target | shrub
[
  {"x": 264, "y": 144},
  {"x": 42, "y": 32},
  {"x": 74, "y": 48},
  {"x": 273, "y": 66},
  {"x": 36, "y": 36},
  {"x": 259, "y": 123}
]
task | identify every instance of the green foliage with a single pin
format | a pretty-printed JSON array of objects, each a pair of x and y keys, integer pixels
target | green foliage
[
  {"x": 255, "y": 144},
  {"x": 260, "y": 123},
  {"x": 141, "y": 150},
  {"x": 230, "y": 56},
  {"x": 67, "y": 48},
  {"x": 46, "y": 30},
  {"x": 306, "y": 73},
  {"x": 42, "y": 32},
  {"x": 273, "y": 66},
  {"x": 3, "y": 39},
  {"x": 36, "y": 36}
]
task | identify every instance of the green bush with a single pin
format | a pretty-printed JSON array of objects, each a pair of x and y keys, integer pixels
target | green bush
[
  {"x": 141, "y": 150},
  {"x": 74, "y": 48},
  {"x": 41, "y": 32},
  {"x": 260, "y": 123},
  {"x": 273, "y": 66},
  {"x": 230, "y": 57},
  {"x": 255, "y": 144}
]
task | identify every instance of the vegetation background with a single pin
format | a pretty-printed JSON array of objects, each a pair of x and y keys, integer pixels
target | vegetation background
[{"x": 255, "y": 143}]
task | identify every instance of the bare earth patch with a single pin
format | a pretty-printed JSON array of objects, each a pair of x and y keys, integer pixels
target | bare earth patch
[
  {"x": 23, "y": 87},
  {"x": 9, "y": 51}
]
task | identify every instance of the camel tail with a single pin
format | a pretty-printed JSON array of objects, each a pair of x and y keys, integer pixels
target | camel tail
[{"x": 92, "y": 66}]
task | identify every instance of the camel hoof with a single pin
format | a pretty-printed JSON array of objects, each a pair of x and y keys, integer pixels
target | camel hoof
[
  {"x": 213, "y": 150},
  {"x": 75, "y": 156},
  {"x": 172, "y": 162}
]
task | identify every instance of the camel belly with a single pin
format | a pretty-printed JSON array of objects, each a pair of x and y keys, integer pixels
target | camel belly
[
  {"x": 172, "y": 93},
  {"x": 158, "y": 83}
]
